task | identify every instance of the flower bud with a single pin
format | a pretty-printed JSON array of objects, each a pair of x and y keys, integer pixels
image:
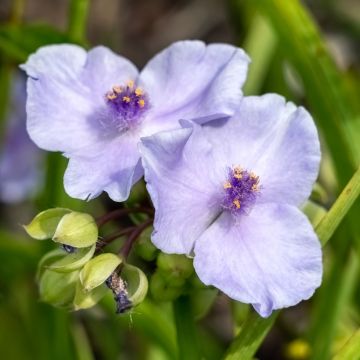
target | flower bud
[
  {"x": 179, "y": 266},
  {"x": 76, "y": 229},
  {"x": 58, "y": 289},
  {"x": 163, "y": 288},
  {"x": 97, "y": 270},
  {"x": 144, "y": 247},
  {"x": 72, "y": 261},
  {"x": 129, "y": 288},
  {"x": 43, "y": 225},
  {"x": 87, "y": 299}
]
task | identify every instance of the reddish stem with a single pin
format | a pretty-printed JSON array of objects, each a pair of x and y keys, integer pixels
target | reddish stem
[
  {"x": 133, "y": 237},
  {"x": 122, "y": 212},
  {"x": 108, "y": 239}
]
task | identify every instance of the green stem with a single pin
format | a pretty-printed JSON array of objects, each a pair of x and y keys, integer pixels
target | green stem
[
  {"x": 77, "y": 20},
  {"x": 186, "y": 329},
  {"x": 340, "y": 208},
  {"x": 250, "y": 336}
]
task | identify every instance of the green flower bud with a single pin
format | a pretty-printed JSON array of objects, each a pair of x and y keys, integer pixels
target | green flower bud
[
  {"x": 179, "y": 266},
  {"x": 47, "y": 260},
  {"x": 163, "y": 288},
  {"x": 76, "y": 229},
  {"x": 98, "y": 270},
  {"x": 144, "y": 247},
  {"x": 58, "y": 289},
  {"x": 73, "y": 261},
  {"x": 43, "y": 225},
  {"x": 129, "y": 288},
  {"x": 85, "y": 300},
  {"x": 136, "y": 283}
]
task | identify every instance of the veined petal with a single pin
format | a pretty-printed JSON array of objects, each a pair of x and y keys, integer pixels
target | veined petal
[
  {"x": 270, "y": 259},
  {"x": 66, "y": 87},
  {"x": 182, "y": 185},
  {"x": 112, "y": 167},
  {"x": 276, "y": 140},
  {"x": 190, "y": 80}
]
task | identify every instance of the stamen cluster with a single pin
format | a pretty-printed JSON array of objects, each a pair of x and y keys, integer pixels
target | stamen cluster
[
  {"x": 241, "y": 190},
  {"x": 126, "y": 105}
]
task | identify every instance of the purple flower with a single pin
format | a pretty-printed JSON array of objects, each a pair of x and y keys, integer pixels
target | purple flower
[
  {"x": 228, "y": 193},
  {"x": 94, "y": 106},
  {"x": 20, "y": 159}
]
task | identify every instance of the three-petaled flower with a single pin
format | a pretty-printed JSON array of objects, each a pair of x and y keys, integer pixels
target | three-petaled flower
[
  {"x": 228, "y": 193},
  {"x": 95, "y": 106}
]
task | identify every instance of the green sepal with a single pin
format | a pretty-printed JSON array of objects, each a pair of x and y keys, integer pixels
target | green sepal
[
  {"x": 58, "y": 289},
  {"x": 137, "y": 283},
  {"x": 97, "y": 270},
  {"x": 85, "y": 300},
  {"x": 44, "y": 224},
  {"x": 76, "y": 229},
  {"x": 48, "y": 259},
  {"x": 73, "y": 261}
]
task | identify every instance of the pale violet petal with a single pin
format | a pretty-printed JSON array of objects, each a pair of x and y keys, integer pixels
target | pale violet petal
[{"x": 270, "y": 258}]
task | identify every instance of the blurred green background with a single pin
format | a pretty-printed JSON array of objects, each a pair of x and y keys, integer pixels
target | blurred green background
[{"x": 307, "y": 51}]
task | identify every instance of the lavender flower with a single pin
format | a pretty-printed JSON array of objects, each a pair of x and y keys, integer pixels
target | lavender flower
[
  {"x": 20, "y": 159},
  {"x": 95, "y": 106},
  {"x": 227, "y": 192}
]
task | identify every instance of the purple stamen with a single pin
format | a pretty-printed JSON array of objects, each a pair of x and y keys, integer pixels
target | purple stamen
[
  {"x": 241, "y": 191},
  {"x": 126, "y": 106}
]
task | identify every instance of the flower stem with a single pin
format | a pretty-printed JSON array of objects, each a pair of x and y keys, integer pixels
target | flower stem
[
  {"x": 185, "y": 329},
  {"x": 342, "y": 205},
  {"x": 108, "y": 239},
  {"x": 77, "y": 20},
  {"x": 116, "y": 214},
  {"x": 133, "y": 237}
]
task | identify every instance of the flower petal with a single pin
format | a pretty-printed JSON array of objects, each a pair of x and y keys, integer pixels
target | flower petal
[
  {"x": 270, "y": 259},
  {"x": 112, "y": 167},
  {"x": 193, "y": 80},
  {"x": 276, "y": 140},
  {"x": 66, "y": 86},
  {"x": 182, "y": 187}
]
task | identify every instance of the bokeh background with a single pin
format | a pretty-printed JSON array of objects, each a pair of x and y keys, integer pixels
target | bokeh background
[{"x": 307, "y": 51}]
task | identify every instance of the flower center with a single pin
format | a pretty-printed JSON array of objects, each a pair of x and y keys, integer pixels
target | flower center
[
  {"x": 126, "y": 105},
  {"x": 241, "y": 191}
]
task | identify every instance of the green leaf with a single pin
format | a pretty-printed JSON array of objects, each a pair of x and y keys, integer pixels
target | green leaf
[
  {"x": 250, "y": 337},
  {"x": 74, "y": 261},
  {"x": 98, "y": 269},
  {"x": 87, "y": 299},
  {"x": 43, "y": 226},
  {"x": 76, "y": 229},
  {"x": 18, "y": 42},
  {"x": 351, "y": 350}
]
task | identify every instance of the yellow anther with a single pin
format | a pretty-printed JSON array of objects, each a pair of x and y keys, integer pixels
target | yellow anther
[
  {"x": 238, "y": 172},
  {"x": 227, "y": 185},
  {"x": 117, "y": 89},
  {"x": 141, "y": 103},
  {"x": 236, "y": 202},
  {"x": 138, "y": 92},
  {"x": 126, "y": 99},
  {"x": 111, "y": 96},
  {"x": 255, "y": 187},
  {"x": 253, "y": 176},
  {"x": 130, "y": 84}
]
